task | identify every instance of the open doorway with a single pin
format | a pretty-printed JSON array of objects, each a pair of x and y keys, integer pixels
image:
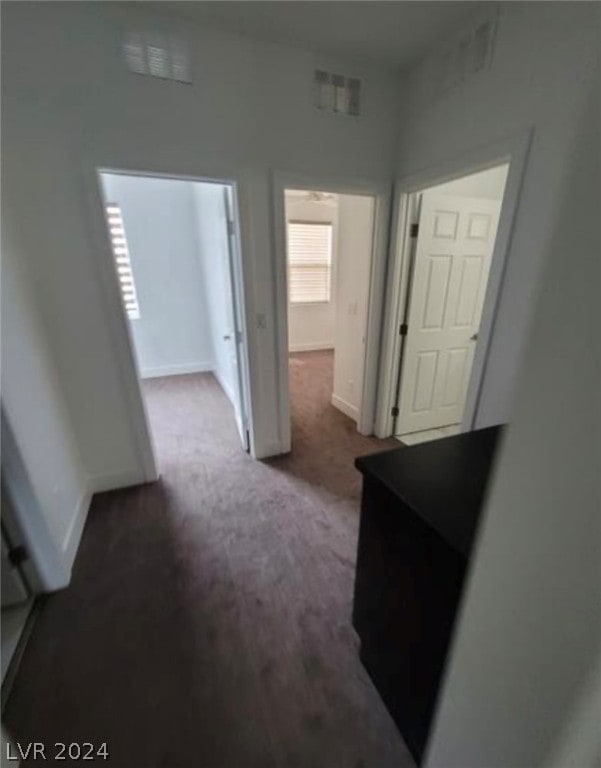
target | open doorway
[
  {"x": 449, "y": 253},
  {"x": 329, "y": 243},
  {"x": 175, "y": 250}
]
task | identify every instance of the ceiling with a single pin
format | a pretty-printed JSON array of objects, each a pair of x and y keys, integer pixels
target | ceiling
[{"x": 393, "y": 33}]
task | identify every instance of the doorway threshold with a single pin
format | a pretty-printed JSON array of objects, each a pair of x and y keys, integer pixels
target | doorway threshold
[{"x": 426, "y": 435}]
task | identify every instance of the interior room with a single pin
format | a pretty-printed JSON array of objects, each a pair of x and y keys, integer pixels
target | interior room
[
  {"x": 171, "y": 250},
  {"x": 329, "y": 238},
  {"x": 220, "y": 545},
  {"x": 450, "y": 256}
]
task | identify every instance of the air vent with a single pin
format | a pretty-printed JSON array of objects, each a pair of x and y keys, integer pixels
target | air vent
[
  {"x": 157, "y": 55},
  {"x": 466, "y": 56},
  {"x": 336, "y": 93}
]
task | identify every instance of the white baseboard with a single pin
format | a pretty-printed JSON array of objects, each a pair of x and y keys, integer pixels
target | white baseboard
[
  {"x": 73, "y": 535},
  {"x": 349, "y": 410},
  {"x": 179, "y": 369},
  {"x": 311, "y": 346},
  {"x": 102, "y": 483}
]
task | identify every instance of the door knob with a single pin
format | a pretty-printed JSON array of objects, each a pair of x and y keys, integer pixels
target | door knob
[
  {"x": 227, "y": 337},
  {"x": 474, "y": 337}
]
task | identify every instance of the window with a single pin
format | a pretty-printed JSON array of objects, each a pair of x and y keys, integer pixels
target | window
[
  {"x": 309, "y": 262},
  {"x": 122, "y": 261}
]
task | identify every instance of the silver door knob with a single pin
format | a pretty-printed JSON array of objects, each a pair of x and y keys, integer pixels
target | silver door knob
[
  {"x": 227, "y": 337},
  {"x": 474, "y": 337}
]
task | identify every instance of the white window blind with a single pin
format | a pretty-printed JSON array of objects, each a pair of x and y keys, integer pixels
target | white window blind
[
  {"x": 309, "y": 262},
  {"x": 122, "y": 261}
]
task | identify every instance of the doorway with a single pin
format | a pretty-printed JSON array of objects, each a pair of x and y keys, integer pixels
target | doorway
[
  {"x": 329, "y": 244},
  {"x": 453, "y": 230},
  {"x": 176, "y": 257}
]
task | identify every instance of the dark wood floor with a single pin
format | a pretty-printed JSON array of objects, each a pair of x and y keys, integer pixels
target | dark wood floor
[{"x": 208, "y": 619}]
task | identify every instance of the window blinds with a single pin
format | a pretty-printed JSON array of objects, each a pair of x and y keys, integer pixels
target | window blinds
[
  {"x": 122, "y": 261},
  {"x": 309, "y": 262}
]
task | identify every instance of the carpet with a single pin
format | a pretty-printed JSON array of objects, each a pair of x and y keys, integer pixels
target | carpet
[{"x": 208, "y": 622}]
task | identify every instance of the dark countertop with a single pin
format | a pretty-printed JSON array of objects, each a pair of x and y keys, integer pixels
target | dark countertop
[{"x": 443, "y": 481}]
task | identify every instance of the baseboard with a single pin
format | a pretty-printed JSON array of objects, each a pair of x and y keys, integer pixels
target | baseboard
[
  {"x": 269, "y": 450},
  {"x": 349, "y": 410},
  {"x": 102, "y": 483},
  {"x": 179, "y": 369},
  {"x": 225, "y": 386},
  {"x": 95, "y": 485},
  {"x": 311, "y": 346},
  {"x": 73, "y": 535}
]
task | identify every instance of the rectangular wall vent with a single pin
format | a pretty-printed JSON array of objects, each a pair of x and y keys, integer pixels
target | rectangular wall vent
[
  {"x": 337, "y": 94},
  {"x": 157, "y": 55},
  {"x": 468, "y": 55}
]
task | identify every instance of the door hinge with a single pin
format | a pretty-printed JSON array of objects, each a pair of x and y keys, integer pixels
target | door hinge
[
  {"x": 18, "y": 555},
  {"x": 231, "y": 229},
  {"x": 403, "y": 329},
  {"x": 394, "y": 411},
  {"x": 414, "y": 230}
]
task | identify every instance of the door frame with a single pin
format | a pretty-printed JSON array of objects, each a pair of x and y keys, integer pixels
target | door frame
[
  {"x": 512, "y": 151},
  {"x": 382, "y": 194},
  {"x": 118, "y": 322}
]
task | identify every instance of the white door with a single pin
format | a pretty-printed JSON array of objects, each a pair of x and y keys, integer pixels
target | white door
[
  {"x": 450, "y": 272},
  {"x": 235, "y": 336}
]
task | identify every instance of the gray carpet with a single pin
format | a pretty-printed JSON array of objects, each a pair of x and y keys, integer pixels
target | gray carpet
[{"x": 208, "y": 619}]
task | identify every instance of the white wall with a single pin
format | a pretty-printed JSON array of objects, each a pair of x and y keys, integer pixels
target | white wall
[
  {"x": 355, "y": 242},
  {"x": 526, "y": 656},
  {"x": 542, "y": 53},
  {"x": 172, "y": 334},
  {"x": 35, "y": 408},
  {"x": 212, "y": 238},
  {"x": 70, "y": 105},
  {"x": 489, "y": 184},
  {"x": 311, "y": 326}
]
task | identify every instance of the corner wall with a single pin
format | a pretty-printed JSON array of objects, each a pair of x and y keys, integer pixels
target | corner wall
[
  {"x": 213, "y": 255},
  {"x": 71, "y": 106},
  {"x": 312, "y": 326},
  {"x": 355, "y": 244},
  {"x": 526, "y": 653},
  {"x": 38, "y": 418},
  {"x": 541, "y": 57},
  {"x": 172, "y": 334}
]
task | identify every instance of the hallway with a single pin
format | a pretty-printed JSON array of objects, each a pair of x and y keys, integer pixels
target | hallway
[{"x": 208, "y": 619}]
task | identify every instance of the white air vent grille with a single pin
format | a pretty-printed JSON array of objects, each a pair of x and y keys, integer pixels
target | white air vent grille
[
  {"x": 337, "y": 94},
  {"x": 157, "y": 55},
  {"x": 466, "y": 56}
]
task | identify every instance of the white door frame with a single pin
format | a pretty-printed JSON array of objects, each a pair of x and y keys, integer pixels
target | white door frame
[
  {"x": 513, "y": 151},
  {"x": 116, "y": 316},
  {"x": 381, "y": 192}
]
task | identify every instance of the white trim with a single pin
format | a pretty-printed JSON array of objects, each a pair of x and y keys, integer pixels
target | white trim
[
  {"x": 115, "y": 315},
  {"x": 45, "y": 569},
  {"x": 178, "y": 369},
  {"x": 513, "y": 151},
  {"x": 380, "y": 191},
  {"x": 116, "y": 321},
  {"x": 73, "y": 535},
  {"x": 225, "y": 386},
  {"x": 311, "y": 346},
  {"x": 342, "y": 405},
  {"x": 116, "y": 481}
]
